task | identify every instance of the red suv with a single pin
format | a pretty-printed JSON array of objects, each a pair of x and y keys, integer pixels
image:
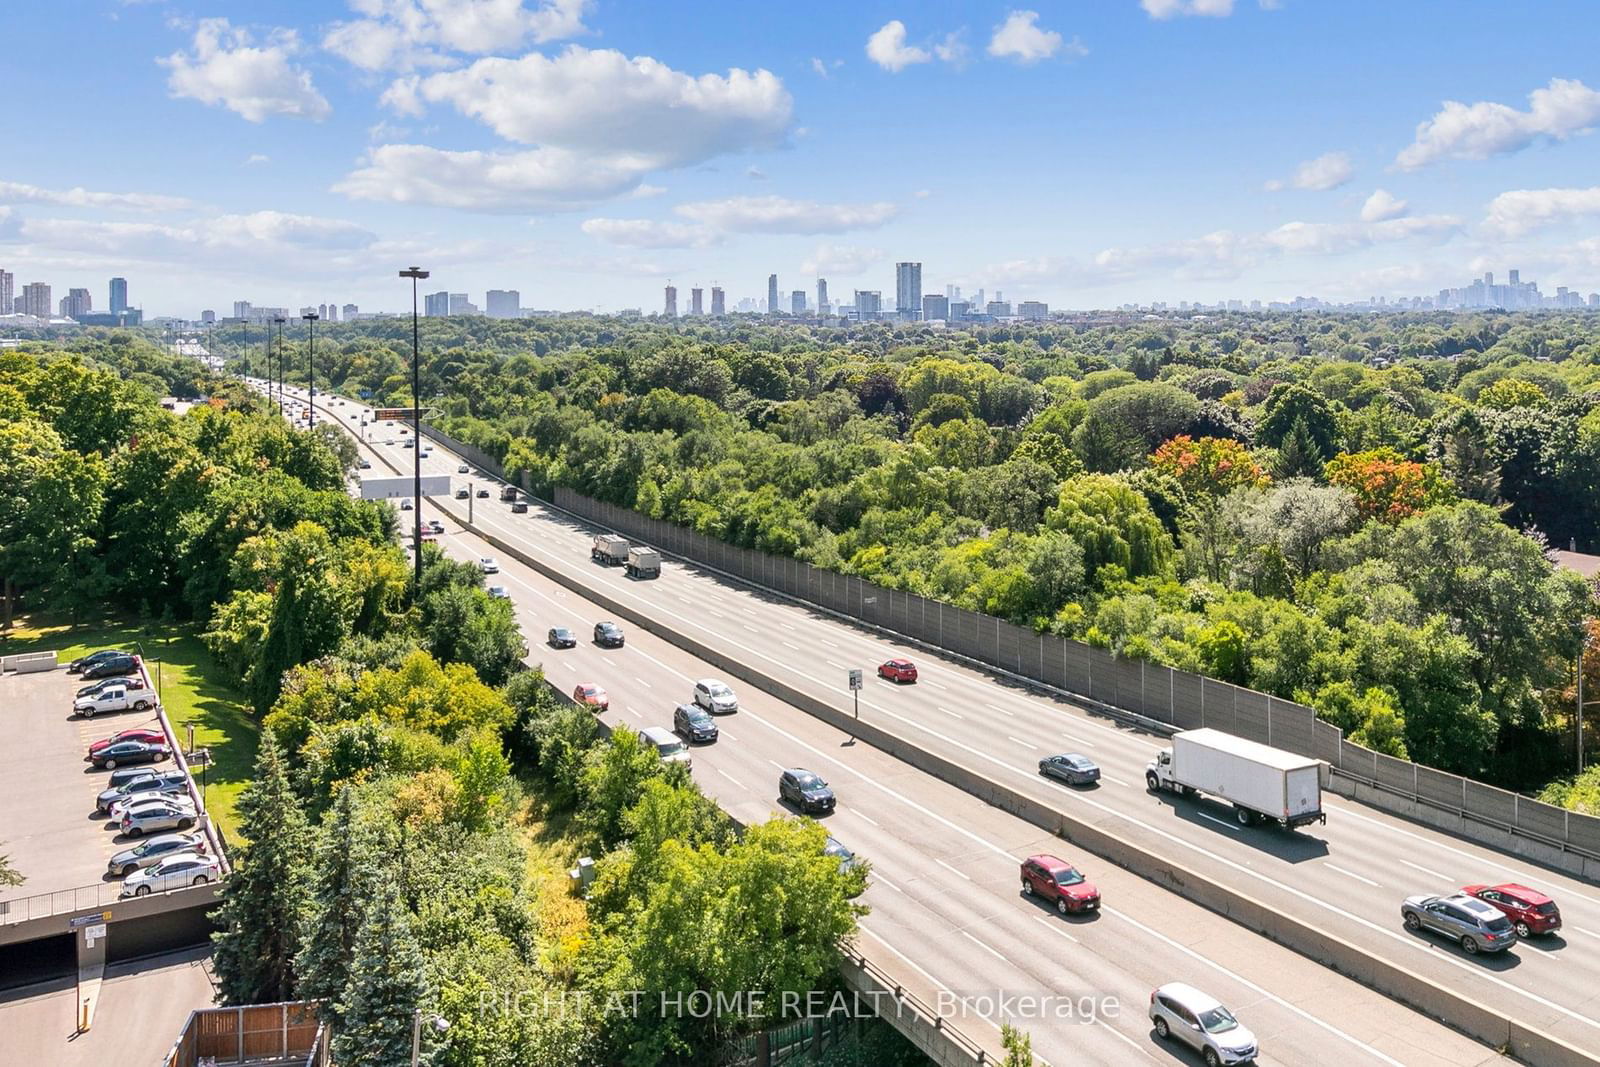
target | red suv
[
  {"x": 1059, "y": 881},
  {"x": 1529, "y": 910},
  {"x": 589, "y": 695},
  {"x": 898, "y": 670}
]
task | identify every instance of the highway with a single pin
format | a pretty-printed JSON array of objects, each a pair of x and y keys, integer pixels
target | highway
[{"x": 945, "y": 862}]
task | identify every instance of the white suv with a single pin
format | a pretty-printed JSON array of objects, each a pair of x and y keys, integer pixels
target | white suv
[
  {"x": 1199, "y": 1020},
  {"x": 715, "y": 696}
]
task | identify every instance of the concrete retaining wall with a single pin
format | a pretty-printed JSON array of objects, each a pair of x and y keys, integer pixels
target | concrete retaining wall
[{"x": 28, "y": 662}]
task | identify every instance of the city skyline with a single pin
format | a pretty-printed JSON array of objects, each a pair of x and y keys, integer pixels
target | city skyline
[{"x": 588, "y": 152}]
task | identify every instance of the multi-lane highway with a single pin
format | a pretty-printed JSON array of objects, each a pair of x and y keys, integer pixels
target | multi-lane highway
[{"x": 946, "y": 911}]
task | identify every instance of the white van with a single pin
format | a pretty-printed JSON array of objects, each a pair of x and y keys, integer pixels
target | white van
[{"x": 668, "y": 745}]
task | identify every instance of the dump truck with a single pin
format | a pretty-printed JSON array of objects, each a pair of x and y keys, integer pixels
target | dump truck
[
  {"x": 609, "y": 549},
  {"x": 643, "y": 562},
  {"x": 1261, "y": 782}
]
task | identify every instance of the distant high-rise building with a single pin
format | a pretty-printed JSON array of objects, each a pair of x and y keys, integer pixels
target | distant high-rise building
[
  {"x": 119, "y": 295},
  {"x": 460, "y": 305},
  {"x": 36, "y": 300},
  {"x": 935, "y": 307},
  {"x": 998, "y": 309},
  {"x": 1033, "y": 311},
  {"x": 208, "y": 317},
  {"x": 436, "y": 305},
  {"x": 75, "y": 303},
  {"x": 241, "y": 309},
  {"x": 869, "y": 304},
  {"x": 322, "y": 312},
  {"x": 772, "y": 294},
  {"x": 719, "y": 303},
  {"x": 1516, "y": 277},
  {"x": 952, "y": 293},
  {"x": 502, "y": 303},
  {"x": 671, "y": 311},
  {"x": 959, "y": 310},
  {"x": 7, "y": 282},
  {"x": 823, "y": 307},
  {"x": 797, "y": 302},
  {"x": 696, "y": 308},
  {"x": 349, "y": 312},
  {"x": 907, "y": 290}
]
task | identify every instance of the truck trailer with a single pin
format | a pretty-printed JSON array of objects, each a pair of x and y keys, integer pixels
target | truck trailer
[
  {"x": 1260, "y": 782},
  {"x": 643, "y": 562},
  {"x": 609, "y": 549}
]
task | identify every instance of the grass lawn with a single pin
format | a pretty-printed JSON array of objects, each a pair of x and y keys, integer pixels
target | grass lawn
[{"x": 193, "y": 689}]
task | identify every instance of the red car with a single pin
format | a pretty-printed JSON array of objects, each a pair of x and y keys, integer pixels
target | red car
[
  {"x": 898, "y": 670},
  {"x": 1529, "y": 910},
  {"x": 591, "y": 696},
  {"x": 1056, "y": 880},
  {"x": 146, "y": 735}
]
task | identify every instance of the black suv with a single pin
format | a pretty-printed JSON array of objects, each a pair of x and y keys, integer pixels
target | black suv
[
  {"x": 806, "y": 791},
  {"x": 608, "y": 635},
  {"x": 116, "y": 663},
  {"x": 693, "y": 723}
]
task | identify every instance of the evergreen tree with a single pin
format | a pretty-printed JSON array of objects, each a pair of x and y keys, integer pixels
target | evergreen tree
[
  {"x": 346, "y": 854},
  {"x": 1299, "y": 456},
  {"x": 265, "y": 897},
  {"x": 386, "y": 983}
]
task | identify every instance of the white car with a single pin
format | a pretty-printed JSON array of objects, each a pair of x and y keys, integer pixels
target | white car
[
  {"x": 133, "y": 802},
  {"x": 174, "y": 872},
  {"x": 463, "y": 469},
  {"x": 715, "y": 696},
  {"x": 488, "y": 565},
  {"x": 1199, "y": 1020}
]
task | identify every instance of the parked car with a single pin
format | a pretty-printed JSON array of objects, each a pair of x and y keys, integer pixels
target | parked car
[
  {"x": 591, "y": 695},
  {"x": 488, "y": 565},
  {"x": 1473, "y": 924},
  {"x": 898, "y": 670},
  {"x": 121, "y": 663},
  {"x": 608, "y": 635},
  {"x": 113, "y": 698},
  {"x": 93, "y": 688},
  {"x": 715, "y": 696},
  {"x": 561, "y": 637},
  {"x": 1200, "y": 1021},
  {"x": 140, "y": 733},
  {"x": 498, "y": 592},
  {"x": 693, "y": 723},
  {"x": 124, "y": 752},
  {"x": 1070, "y": 767},
  {"x": 124, "y": 775},
  {"x": 135, "y": 801},
  {"x": 1530, "y": 911},
  {"x": 806, "y": 791},
  {"x": 163, "y": 814},
  {"x": 149, "y": 783},
  {"x": 667, "y": 745},
  {"x": 1059, "y": 882},
  {"x": 174, "y": 872},
  {"x": 84, "y": 662}
]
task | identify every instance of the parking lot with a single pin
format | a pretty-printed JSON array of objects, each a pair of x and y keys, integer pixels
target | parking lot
[{"x": 52, "y": 834}]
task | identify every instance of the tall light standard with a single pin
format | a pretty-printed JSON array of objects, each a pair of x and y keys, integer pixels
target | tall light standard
[
  {"x": 311, "y": 318},
  {"x": 280, "y": 320},
  {"x": 416, "y": 274}
]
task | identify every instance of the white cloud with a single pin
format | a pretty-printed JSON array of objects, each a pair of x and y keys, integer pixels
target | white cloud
[
  {"x": 1514, "y": 213},
  {"x": 1477, "y": 131},
  {"x": 645, "y": 192},
  {"x": 776, "y": 214},
  {"x": 887, "y": 48},
  {"x": 831, "y": 260},
  {"x": 818, "y": 67},
  {"x": 755, "y": 174},
  {"x": 256, "y": 158},
  {"x": 256, "y": 82},
  {"x": 1381, "y": 206},
  {"x": 953, "y": 49},
  {"x": 536, "y": 180},
  {"x": 1020, "y": 37},
  {"x": 260, "y": 232},
  {"x": 647, "y": 233},
  {"x": 408, "y": 34},
  {"x": 21, "y": 193},
  {"x": 1327, "y": 171},
  {"x": 1166, "y": 9}
]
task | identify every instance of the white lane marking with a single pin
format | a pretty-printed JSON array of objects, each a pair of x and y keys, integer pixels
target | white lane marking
[
  {"x": 786, "y": 626},
  {"x": 878, "y": 879},
  {"x": 751, "y": 611},
  {"x": 723, "y": 733},
  {"x": 986, "y": 948},
  {"x": 936, "y": 685},
  {"x": 729, "y": 777},
  {"x": 1428, "y": 871},
  {"x": 642, "y": 682},
  {"x": 778, "y": 765},
  {"x": 685, "y": 599},
  {"x": 634, "y": 712},
  {"x": 1057, "y": 928},
  {"x": 1351, "y": 874},
  {"x": 913, "y": 963},
  {"x": 1077, "y": 740},
  {"x": 1114, "y": 781},
  {"x": 1003, "y": 711},
  {"x": 868, "y": 818},
  {"x": 836, "y": 666},
  {"x": 567, "y": 665},
  {"x": 947, "y": 711},
  {"x": 717, "y": 613},
  {"x": 1019, "y": 741},
  {"x": 1219, "y": 822},
  {"x": 1581, "y": 930},
  {"x": 789, "y": 644},
  {"x": 951, "y": 869}
]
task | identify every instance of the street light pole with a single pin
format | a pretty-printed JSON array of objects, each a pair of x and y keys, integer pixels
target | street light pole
[
  {"x": 280, "y": 320},
  {"x": 311, "y": 366},
  {"x": 416, "y": 274}
]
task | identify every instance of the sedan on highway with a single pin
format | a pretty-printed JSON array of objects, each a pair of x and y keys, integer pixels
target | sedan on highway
[
  {"x": 463, "y": 493},
  {"x": 483, "y": 493},
  {"x": 124, "y": 752},
  {"x": 693, "y": 723},
  {"x": 463, "y": 469},
  {"x": 1070, "y": 767},
  {"x": 608, "y": 635},
  {"x": 561, "y": 637},
  {"x": 806, "y": 791},
  {"x": 142, "y": 733},
  {"x": 898, "y": 670},
  {"x": 591, "y": 696},
  {"x": 435, "y": 526},
  {"x": 1200, "y": 1021},
  {"x": 154, "y": 849},
  {"x": 488, "y": 565},
  {"x": 1060, "y": 883},
  {"x": 174, "y": 872},
  {"x": 1473, "y": 924},
  {"x": 1530, "y": 911},
  {"x": 498, "y": 592}
]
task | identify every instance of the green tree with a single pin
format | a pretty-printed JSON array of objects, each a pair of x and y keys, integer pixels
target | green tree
[
  {"x": 1018, "y": 1046},
  {"x": 613, "y": 774},
  {"x": 341, "y": 872},
  {"x": 265, "y": 898},
  {"x": 469, "y": 626},
  {"x": 1288, "y": 403},
  {"x": 1124, "y": 425},
  {"x": 1299, "y": 456},
  {"x": 51, "y": 500},
  {"x": 1113, "y": 524},
  {"x": 387, "y": 984}
]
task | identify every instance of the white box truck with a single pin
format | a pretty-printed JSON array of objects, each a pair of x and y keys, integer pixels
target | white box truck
[
  {"x": 1260, "y": 782},
  {"x": 643, "y": 562}
]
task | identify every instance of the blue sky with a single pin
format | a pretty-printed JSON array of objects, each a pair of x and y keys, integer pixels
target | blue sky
[{"x": 1084, "y": 153}]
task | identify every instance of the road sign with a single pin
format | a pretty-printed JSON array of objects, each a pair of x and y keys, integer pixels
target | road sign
[
  {"x": 390, "y": 488},
  {"x": 855, "y": 679},
  {"x": 392, "y": 414},
  {"x": 78, "y": 921}
]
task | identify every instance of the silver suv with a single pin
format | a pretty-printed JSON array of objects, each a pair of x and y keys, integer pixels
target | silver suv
[
  {"x": 1199, "y": 1020},
  {"x": 1471, "y": 923}
]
